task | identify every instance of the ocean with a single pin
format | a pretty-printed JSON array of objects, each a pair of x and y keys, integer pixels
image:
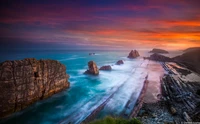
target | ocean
[{"x": 86, "y": 92}]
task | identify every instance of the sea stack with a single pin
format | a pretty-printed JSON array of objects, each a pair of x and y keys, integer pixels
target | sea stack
[
  {"x": 133, "y": 54},
  {"x": 24, "y": 82},
  {"x": 92, "y": 68}
]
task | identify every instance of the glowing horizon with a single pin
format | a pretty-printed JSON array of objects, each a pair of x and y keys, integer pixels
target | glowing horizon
[{"x": 109, "y": 24}]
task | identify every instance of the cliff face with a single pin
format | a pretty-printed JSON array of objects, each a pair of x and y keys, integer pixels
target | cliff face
[{"x": 24, "y": 82}]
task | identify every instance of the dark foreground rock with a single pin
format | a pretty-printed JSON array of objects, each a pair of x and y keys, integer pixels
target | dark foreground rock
[
  {"x": 93, "y": 69},
  {"x": 24, "y": 82},
  {"x": 119, "y": 62},
  {"x": 158, "y": 51},
  {"x": 106, "y": 67},
  {"x": 133, "y": 54},
  {"x": 158, "y": 57}
]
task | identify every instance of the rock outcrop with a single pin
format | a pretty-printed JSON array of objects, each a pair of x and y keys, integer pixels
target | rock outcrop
[
  {"x": 93, "y": 69},
  {"x": 158, "y": 57},
  {"x": 24, "y": 82},
  {"x": 191, "y": 59},
  {"x": 133, "y": 54},
  {"x": 106, "y": 67},
  {"x": 119, "y": 62},
  {"x": 158, "y": 51}
]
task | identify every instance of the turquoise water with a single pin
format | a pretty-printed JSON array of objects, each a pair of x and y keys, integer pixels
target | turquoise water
[{"x": 86, "y": 92}]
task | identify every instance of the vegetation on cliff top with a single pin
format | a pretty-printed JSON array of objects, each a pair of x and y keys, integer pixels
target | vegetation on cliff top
[{"x": 112, "y": 120}]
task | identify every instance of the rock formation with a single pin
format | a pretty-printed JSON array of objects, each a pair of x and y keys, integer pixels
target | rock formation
[
  {"x": 93, "y": 69},
  {"x": 133, "y": 54},
  {"x": 158, "y": 57},
  {"x": 106, "y": 67},
  {"x": 24, "y": 82},
  {"x": 158, "y": 51},
  {"x": 119, "y": 62}
]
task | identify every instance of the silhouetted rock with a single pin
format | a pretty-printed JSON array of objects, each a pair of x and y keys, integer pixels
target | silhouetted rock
[
  {"x": 93, "y": 69},
  {"x": 191, "y": 49},
  {"x": 158, "y": 51},
  {"x": 190, "y": 59},
  {"x": 158, "y": 57},
  {"x": 133, "y": 54},
  {"x": 106, "y": 67},
  {"x": 24, "y": 82},
  {"x": 120, "y": 62}
]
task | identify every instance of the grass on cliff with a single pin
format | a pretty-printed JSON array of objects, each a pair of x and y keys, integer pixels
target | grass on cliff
[{"x": 111, "y": 120}]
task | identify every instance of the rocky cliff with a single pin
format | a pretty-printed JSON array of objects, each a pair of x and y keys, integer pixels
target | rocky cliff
[{"x": 24, "y": 82}]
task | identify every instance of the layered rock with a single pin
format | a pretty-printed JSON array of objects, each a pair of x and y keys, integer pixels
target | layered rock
[
  {"x": 158, "y": 51},
  {"x": 133, "y": 54},
  {"x": 119, "y": 62},
  {"x": 92, "y": 68},
  {"x": 24, "y": 82},
  {"x": 106, "y": 67},
  {"x": 158, "y": 57}
]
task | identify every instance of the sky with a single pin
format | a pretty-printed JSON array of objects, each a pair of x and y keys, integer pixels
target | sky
[{"x": 99, "y": 24}]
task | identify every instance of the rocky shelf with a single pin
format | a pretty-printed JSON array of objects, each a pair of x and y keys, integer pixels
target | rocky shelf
[{"x": 23, "y": 82}]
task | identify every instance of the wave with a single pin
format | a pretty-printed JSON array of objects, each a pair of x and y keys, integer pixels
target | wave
[{"x": 72, "y": 58}]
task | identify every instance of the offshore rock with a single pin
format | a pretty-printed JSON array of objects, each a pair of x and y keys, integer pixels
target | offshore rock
[
  {"x": 93, "y": 69},
  {"x": 119, "y": 62},
  {"x": 158, "y": 51},
  {"x": 24, "y": 82},
  {"x": 106, "y": 67},
  {"x": 133, "y": 54}
]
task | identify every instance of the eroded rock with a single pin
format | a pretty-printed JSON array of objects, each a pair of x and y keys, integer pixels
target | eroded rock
[
  {"x": 24, "y": 82},
  {"x": 92, "y": 68}
]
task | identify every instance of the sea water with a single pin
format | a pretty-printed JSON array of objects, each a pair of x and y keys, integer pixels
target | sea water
[{"x": 86, "y": 92}]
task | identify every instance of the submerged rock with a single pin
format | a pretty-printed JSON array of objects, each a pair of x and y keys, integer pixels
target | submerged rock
[
  {"x": 133, "y": 54},
  {"x": 24, "y": 82},
  {"x": 106, "y": 67},
  {"x": 120, "y": 62},
  {"x": 93, "y": 69}
]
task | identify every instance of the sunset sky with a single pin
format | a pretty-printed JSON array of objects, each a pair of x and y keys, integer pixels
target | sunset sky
[{"x": 100, "y": 24}]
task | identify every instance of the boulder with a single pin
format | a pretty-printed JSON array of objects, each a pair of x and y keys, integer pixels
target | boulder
[
  {"x": 133, "y": 54},
  {"x": 106, "y": 67},
  {"x": 92, "y": 68},
  {"x": 24, "y": 82},
  {"x": 119, "y": 62}
]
